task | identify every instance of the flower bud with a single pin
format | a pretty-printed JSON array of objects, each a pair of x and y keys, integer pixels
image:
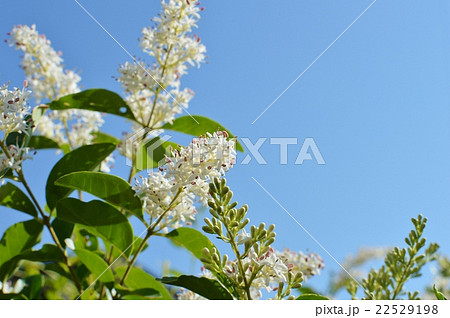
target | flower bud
[{"x": 207, "y": 229}]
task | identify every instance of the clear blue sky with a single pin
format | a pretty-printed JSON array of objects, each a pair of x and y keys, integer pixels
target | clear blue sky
[{"x": 377, "y": 105}]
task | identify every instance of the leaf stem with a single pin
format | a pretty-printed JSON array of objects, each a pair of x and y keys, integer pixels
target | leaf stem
[
  {"x": 150, "y": 232},
  {"x": 235, "y": 249},
  {"x": 46, "y": 222}
]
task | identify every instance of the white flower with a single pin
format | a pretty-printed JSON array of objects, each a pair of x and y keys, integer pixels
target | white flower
[
  {"x": 13, "y": 109},
  {"x": 185, "y": 176},
  {"x": 206, "y": 158},
  {"x": 308, "y": 264},
  {"x": 12, "y": 288},
  {"x": 45, "y": 72},
  {"x": 42, "y": 64},
  {"x": 14, "y": 158},
  {"x": 153, "y": 92},
  {"x": 158, "y": 197}
]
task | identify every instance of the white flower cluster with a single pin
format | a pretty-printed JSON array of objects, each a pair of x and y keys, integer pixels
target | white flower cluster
[
  {"x": 14, "y": 157},
  {"x": 45, "y": 72},
  {"x": 13, "y": 112},
  {"x": 13, "y": 109},
  {"x": 272, "y": 271},
  {"x": 74, "y": 127},
  {"x": 308, "y": 264},
  {"x": 153, "y": 92},
  {"x": 273, "y": 266},
  {"x": 185, "y": 179},
  {"x": 43, "y": 65},
  {"x": 9, "y": 287}
]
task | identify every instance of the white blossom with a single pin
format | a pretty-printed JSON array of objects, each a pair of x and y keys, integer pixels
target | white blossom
[
  {"x": 42, "y": 64},
  {"x": 13, "y": 109},
  {"x": 185, "y": 179},
  {"x": 206, "y": 158},
  {"x": 14, "y": 157},
  {"x": 158, "y": 197},
  {"x": 45, "y": 72},
  {"x": 153, "y": 91},
  {"x": 9, "y": 287},
  {"x": 308, "y": 264}
]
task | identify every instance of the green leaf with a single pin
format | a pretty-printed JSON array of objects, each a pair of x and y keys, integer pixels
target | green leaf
[
  {"x": 97, "y": 265},
  {"x": 139, "y": 292},
  {"x": 187, "y": 125},
  {"x": 98, "y": 99},
  {"x": 311, "y": 297},
  {"x": 208, "y": 288},
  {"x": 85, "y": 158},
  {"x": 151, "y": 154},
  {"x": 15, "y": 138},
  {"x": 99, "y": 218},
  {"x": 33, "y": 286},
  {"x": 12, "y": 197},
  {"x": 138, "y": 279},
  {"x": 190, "y": 239},
  {"x": 110, "y": 188},
  {"x": 63, "y": 230},
  {"x": 41, "y": 142},
  {"x": 16, "y": 239},
  {"x": 48, "y": 253},
  {"x": 101, "y": 137},
  {"x": 439, "y": 295},
  {"x": 59, "y": 269}
]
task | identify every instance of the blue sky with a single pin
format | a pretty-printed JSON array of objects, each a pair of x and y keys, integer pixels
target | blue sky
[{"x": 376, "y": 104}]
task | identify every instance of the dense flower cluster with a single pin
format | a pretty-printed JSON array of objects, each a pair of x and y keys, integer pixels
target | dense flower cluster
[
  {"x": 185, "y": 178},
  {"x": 153, "y": 91},
  {"x": 271, "y": 269},
  {"x": 13, "y": 109},
  {"x": 45, "y": 72},
  {"x": 308, "y": 264},
  {"x": 13, "y": 158}
]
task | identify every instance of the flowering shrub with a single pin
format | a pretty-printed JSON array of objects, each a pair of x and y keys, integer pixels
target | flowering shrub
[{"x": 94, "y": 248}]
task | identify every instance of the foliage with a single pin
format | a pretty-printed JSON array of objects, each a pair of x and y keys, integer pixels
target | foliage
[{"x": 400, "y": 265}]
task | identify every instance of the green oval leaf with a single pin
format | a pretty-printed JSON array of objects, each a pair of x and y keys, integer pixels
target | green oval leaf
[
  {"x": 48, "y": 253},
  {"x": 63, "y": 230},
  {"x": 311, "y": 297},
  {"x": 100, "y": 100},
  {"x": 96, "y": 265},
  {"x": 85, "y": 158},
  {"x": 139, "y": 279},
  {"x": 208, "y": 288},
  {"x": 200, "y": 126},
  {"x": 12, "y": 197},
  {"x": 140, "y": 293},
  {"x": 110, "y": 188},
  {"x": 42, "y": 142},
  {"x": 101, "y": 137},
  {"x": 16, "y": 239},
  {"x": 190, "y": 239},
  {"x": 100, "y": 219}
]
